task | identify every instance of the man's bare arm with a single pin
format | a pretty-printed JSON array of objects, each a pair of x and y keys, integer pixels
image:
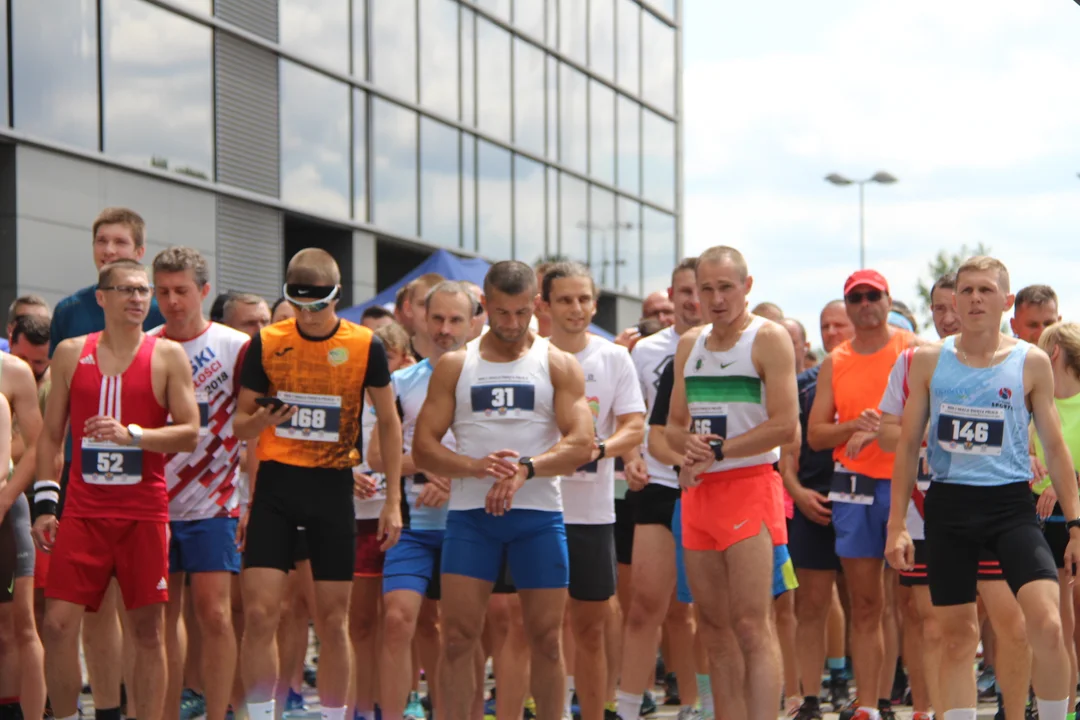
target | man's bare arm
[
  {"x": 659, "y": 448},
  {"x": 912, "y": 428},
  {"x": 25, "y": 409},
  {"x": 822, "y": 431},
  {"x": 677, "y": 429},
  {"x": 183, "y": 434},
  {"x": 628, "y": 435},
  {"x": 774, "y": 357},
  {"x": 435, "y": 419},
  {"x": 572, "y": 416},
  {"x": 51, "y": 438},
  {"x": 889, "y": 432}
]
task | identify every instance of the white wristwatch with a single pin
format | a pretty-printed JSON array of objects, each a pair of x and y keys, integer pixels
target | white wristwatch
[{"x": 136, "y": 433}]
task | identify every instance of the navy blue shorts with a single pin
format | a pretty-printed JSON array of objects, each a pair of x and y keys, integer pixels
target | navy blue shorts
[
  {"x": 812, "y": 546},
  {"x": 533, "y": 541},
  {"x": 860, "y": 529},
  {"x": 209, "y": 545},
  {"x": 413, "y": 563}
]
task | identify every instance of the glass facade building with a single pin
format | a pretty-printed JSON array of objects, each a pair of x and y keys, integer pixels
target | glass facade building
[{"x": 502, "y": 128}]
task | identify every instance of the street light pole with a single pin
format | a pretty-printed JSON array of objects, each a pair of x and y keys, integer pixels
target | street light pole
[{"x": 879, "y": 177}]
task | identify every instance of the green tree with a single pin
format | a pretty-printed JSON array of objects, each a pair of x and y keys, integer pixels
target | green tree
[{"x": 943, "y": 264}]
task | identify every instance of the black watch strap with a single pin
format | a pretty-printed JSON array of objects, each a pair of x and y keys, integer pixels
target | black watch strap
[
  {"x": 602, "y": 448},
  {"x": 1072, "y": 523},
  {"x": 530, "y": 469}
]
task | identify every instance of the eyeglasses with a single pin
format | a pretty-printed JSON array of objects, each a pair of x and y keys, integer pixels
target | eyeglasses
[
  {"x": 855, "y": 298},
  {"x": 141, "y": 291}
]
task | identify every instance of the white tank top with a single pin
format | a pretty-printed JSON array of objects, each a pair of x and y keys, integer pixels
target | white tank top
[
  {"x": 726, "y": 395},
  {"x": 506, "y": 406}
]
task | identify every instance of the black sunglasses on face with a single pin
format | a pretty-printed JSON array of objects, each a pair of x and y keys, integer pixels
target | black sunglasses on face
[{"x": 857, "y": 297}]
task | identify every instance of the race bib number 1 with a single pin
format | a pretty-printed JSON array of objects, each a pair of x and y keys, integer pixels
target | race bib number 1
[
  {"x": 106, "y": 463},
  {"x": 317, "y": 417},
  {"x": 849, "y": 487},
  {"x": 971, "y": 431}
]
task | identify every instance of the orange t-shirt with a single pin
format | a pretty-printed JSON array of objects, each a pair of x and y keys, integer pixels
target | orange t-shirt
[{"x": 858, "y": 382}]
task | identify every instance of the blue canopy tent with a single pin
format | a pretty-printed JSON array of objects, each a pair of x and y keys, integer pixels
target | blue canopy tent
[{"x": 448, "y": 265}]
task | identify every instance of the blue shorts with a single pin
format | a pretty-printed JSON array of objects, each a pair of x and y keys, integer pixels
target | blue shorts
[
  {"x": 413, "y": 563},
  {"x": 783, "y": 571},
  {"x": 861, "y": 529},
  {"x": 532, "y": 541},
  {"x": 197, "y": 546}
]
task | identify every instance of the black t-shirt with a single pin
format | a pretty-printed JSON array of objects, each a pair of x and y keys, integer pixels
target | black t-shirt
[
  {"x": 662, "y": 405},
  {"x": 815, "y": 466}
]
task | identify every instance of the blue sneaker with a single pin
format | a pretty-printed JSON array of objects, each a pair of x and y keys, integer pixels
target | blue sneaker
[
  {"x": 294, "y": 702},
  {"x": 192, "y": 704},
  {"x": 414, "y": 710}
]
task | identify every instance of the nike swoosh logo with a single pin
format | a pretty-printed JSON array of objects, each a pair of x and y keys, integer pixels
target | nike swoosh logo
[
  {"x": 11, "y": 587},
  {"x": 726, "y": 365},
  {"x": 279, "y": 353},
  {"x": 741, "y": 524}
]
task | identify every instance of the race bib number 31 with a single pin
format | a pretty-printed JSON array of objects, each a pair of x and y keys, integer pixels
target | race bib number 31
[
  {"x": 971, "y": 431},
  {"x": 105, "y": 463},
  {"x": 501, "y": 399},
  {"x": 317, "y": 417}
]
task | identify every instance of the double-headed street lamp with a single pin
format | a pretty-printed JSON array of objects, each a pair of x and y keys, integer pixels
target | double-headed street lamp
[{"x": 879, "y": 177}]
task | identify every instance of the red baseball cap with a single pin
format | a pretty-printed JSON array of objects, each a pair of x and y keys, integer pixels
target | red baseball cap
[{"x": 866, "y": 277}]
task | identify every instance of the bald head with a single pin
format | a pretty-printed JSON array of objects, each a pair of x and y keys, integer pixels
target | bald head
[
  {"x": 658, "y": 306},
  {"x": 313, "y": 266}
]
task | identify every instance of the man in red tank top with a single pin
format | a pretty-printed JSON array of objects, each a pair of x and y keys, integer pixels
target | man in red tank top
[{"x": 117, "y": 388}]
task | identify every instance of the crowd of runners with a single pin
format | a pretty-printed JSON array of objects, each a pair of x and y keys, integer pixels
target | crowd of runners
[{"x": 473, "y": 476}]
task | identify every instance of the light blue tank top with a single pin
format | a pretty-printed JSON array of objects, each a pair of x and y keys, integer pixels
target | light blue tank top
[
  {"x": 410, "y": 385},
  {"x": 979, "y": 420}
]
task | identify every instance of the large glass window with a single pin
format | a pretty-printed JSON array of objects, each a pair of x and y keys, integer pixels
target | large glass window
[
  {"x": 314, "y": 113},
  {"x": 573, "y": 29},
  {"x": 494, "y": 187},
  {"x": 498, "y": 8},
  {"x": 551, "y": 79},
  {"x": 529, "y": 17},
  {"x": 602, "y": 132},
  {"x": 530, "y": 213},
  {"x": 528, "y": 96},
  {"x": 493, "y": 78},
  {"x": 667, "y": 6},
  {"x": 393, "y": 46},
  {"x": 658, "y": 63},
  {"x": 360, "y": 155},
  {"x": 440, "y": 206},
  {"x": 659, "y": 249},
  {"x": 316, "y": 29},
  {"x": 439, "y": 56},
  {"x": 658, "y": 159},
  {"x": 199, "y": 6},
  {"x": 574, "y": 218},
  {"x": 54, "y": 54},
  {"x": 628, "y": 246},
  {"x": 468, "y": 191},
  {"x": 552, "y": 199},
  {"x": 393, "y": 167},
  {"x": 628, "y": 42},
  {"x": 629, "y": 145},
  {"x": 573, "y": 128},
  {"x": 602, "y": 38},
  {"x": 602, "y": 257},
  {"x": 359, "y": 38},
  {"x": 468, "y": 67},
  {"x": 157, "y": 88}
]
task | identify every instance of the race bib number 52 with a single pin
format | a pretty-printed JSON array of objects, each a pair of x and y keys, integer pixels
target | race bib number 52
[{"x": 105, "y": 463}]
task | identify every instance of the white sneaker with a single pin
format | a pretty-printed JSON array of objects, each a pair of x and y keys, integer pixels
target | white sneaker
[{"x": 689, "y": 713}]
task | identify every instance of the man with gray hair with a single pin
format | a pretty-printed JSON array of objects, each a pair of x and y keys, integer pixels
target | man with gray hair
[{"x": 247, "y": 312}]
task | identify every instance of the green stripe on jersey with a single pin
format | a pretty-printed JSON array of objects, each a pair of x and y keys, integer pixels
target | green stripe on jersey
[{"x": 729, "y": 389}]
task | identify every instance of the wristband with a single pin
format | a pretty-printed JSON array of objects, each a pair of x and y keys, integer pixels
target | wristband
[{"x": 46, "y": 497}]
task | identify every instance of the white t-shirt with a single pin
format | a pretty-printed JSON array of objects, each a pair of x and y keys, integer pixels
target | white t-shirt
[
  {"x": 372, "y": 507},
  {"x": 892, "y": 403},
  {"x": 651, "y": 355},
  {"x": 611, "y": 389}
]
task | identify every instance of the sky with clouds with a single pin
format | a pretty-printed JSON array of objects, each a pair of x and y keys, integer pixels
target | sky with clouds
[{"x": 974, "y": 105}]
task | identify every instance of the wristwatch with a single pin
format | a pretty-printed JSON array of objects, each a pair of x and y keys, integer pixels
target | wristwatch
[
  {"x": 603, "y": 449},
  {"x": 717, "y": 449},
  {"x": 136, "y": 433},
  {"x": 530, "y": 471},
  {"x": 1074, "y": 523}
]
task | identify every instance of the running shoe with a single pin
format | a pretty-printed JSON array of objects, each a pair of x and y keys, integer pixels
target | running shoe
[
  {"x": 192, "y": 704},
  {"x": 671, "y": 690},
  {"x": 809, "y": 710},
  {"x": 648, "y": 703},
  {"x": 414, "y": 710},
  {"x": 688, "y": 712}
]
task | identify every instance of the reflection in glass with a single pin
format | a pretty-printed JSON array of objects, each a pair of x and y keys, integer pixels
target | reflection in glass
[
  {"x": 529, "y": 211},
  {"x": 658, "y": 159},
  {"x": 574, "y": 218},
  {"x": 393, "y": 167},
  {"x": 602, "y": 257},
  {"x": 54, "y": 57},
  {"x": 659, "y": 249},
  {"x": 629, "y": 145},
  {"x": 528, "y": 96},
  {"x": 158, "y": 88},
  {"x": 602, "y": 38},
  {"x": 316, "y": 29},
  {"x": 573, "y": 29},
  {"x": 628, "y": 244},
  {"x": 440, "y": 207},
  {"x": 529, "y": 17},
  {"x": 658, "y": 63},
  {"x": 314, "y": 112},
  {"x": 468, "y": 63},
  {"x": 602, "y": 132},
  {"x": 573, "y": 130},
  {"x": 553, "y": 242},
  {"x": 493, "y": 186},
  {"x": 393, "y": 46},
  {"x": 498, "y": 8},
  {"x": 493, "y": 78},
  {"x": 360, "y": 155},
  {"x": 468, "y": 192},
  {"x": 359, "y": 38},
  {"x": 628, "y": 25},
  {"x": 439, "y": 56},
  {"x": 551, "y": 79}
]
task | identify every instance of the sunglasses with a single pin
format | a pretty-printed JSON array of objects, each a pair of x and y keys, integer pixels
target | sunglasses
[{"x": 855, "y": 298}]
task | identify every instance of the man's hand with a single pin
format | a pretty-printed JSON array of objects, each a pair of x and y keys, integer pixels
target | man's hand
[
  {"x": 1045, "y": 504},
  {"x": 264, "y": 417},
  {"x": 1072, "y": 556},
  {"x": 869, "y": 420},
  {"x": 629, "y": 337},
  {"x": 637, "y": 474},
  {"x": 500, "y": 464},
  {"x": 501, "y": 495},
  {"x": 102, "y": 428},
  {"x": 690, "y": 471},
  {"x": 45, "y": 532},
  {"x": 432, "y": 495},
  {"x": 813, "y": 505},
  {"x": 389, "y": 525},
  {"x": 1038, "y": 469},
  {"x": 858, "y": 442},
  {"x": 241, "y": 530},
  {"x": 900, "y": 550},
  {"x": 364, "y": 485},
  {"x": 698, "y": 449}
]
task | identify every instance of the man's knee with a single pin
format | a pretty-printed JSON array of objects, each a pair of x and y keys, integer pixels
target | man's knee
[
  {"x": 867, "y": 606},
  {"x": 752, "y": 630},
  {"x": 959, "y": 638},
  {"x": 589, "y": 636},
  {"x": 148, "y": 625},
  {"x": 398, "y": 626},
  {"x": 215, "y": 618},
  {"x": 260, "y": 618}
]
